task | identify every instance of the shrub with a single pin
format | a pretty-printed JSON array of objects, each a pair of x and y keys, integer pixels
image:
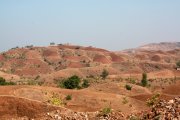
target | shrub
[
  {"x": 40, "y": 83},
  {"x": 125, "y": 101},
  {"x": 37, "y": 77},
  {"x": 68, "y": 97},
  {"x": 2, "y": 81},
  {"x": 128, "y": 87},
  {"x": 1, "y": 64},
  {"x": 32, "y": 82},
  {"x": 10, "y": 83},
  {"x": 132, "y": 81},
  {"x": 178, "y": 63},
  {"x": 56, "y": 101},
  {"x": 72, "y": 82},
  {"x": 144, "y": 81},
  {"x": 85, "y": 83},
  {"x": 105, "y": 111},
  {"x": 153, "y": 100},
  {"x": 104, "y": 74},
  {"x": 134, "y": 117}
]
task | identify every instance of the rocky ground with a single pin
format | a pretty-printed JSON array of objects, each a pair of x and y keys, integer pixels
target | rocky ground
[{"x": 163, "y": 110}]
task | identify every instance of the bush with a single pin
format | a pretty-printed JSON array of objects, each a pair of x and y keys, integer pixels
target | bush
[
  {"x": 105, "y": 111},
  {"x": 128, "y": 87},
  {"x": 10, "y": 83},
  {"x": 178, "y": 63},
  {"x": 85, "y": 84},
  {"x": 153, "y": 100},
  {"x": 32, "y": 82},
  {"x": 68, "y": 97},
  {"x": 56, "y": 101},
  {"x": 132, "y": 81},
  {"x": 72, "y": 82},
  {"x": 3, "y": 82},
  {"x": 125, "y": 101},
  {"x": 104, "y": 74},
  {"x": 144, "y": 81},
  {"x": 134, "y": 117}
]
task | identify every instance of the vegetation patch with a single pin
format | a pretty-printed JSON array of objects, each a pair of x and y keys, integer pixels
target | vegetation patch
[
  {"x": 56, "y": 100},
  {"x": 104, "y": 74},
  {"x": 73, "y": 82},
  {"x": 153, "y": 100},
  {"x": 105, "y": 111},
  {"x": 125, "y": 100},
  {"x": 128, "y": 87},
  {"x": 1, "y": 64},
  {"x": 133, "y": 117},
  {"x": 132, "y": 81},
  {"x": 85, "y": 83},
  {"x": 34, "y": 82},
  {"x": 144, "y": 81},
  {"x": 178, "y": 63},
  {"x": 3, "y": 82},
  {"x": 69, "y": 97}
]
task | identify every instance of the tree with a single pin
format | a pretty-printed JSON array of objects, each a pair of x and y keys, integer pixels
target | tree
[
  {"x": 104, "y": 74},
  {"x": 144, "y": 81},
  {"x": 72, "y": 82}
]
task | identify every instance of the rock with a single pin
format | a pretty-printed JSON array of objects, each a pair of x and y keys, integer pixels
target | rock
[{"x": 164, "y": 110}]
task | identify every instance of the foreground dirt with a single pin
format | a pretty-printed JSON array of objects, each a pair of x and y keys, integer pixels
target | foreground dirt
[{"x": 22, "y": 101}]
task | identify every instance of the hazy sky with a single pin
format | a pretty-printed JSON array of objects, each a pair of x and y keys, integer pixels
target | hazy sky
[{"x": 110, "y": 24}]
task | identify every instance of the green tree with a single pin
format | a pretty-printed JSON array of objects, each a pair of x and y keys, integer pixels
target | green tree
[
  {"x": 72, "y": 82},
  {"x": 104, "y": 74},
  {"x": 144, "y": 81}
]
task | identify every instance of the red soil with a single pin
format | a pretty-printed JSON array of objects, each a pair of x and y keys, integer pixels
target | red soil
[
  {"x": 116, "y": 58},
  {"x": 102, "y": 59}
]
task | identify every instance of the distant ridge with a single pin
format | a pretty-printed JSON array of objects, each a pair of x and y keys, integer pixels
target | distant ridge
[{"x": 163, "y": 46}]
